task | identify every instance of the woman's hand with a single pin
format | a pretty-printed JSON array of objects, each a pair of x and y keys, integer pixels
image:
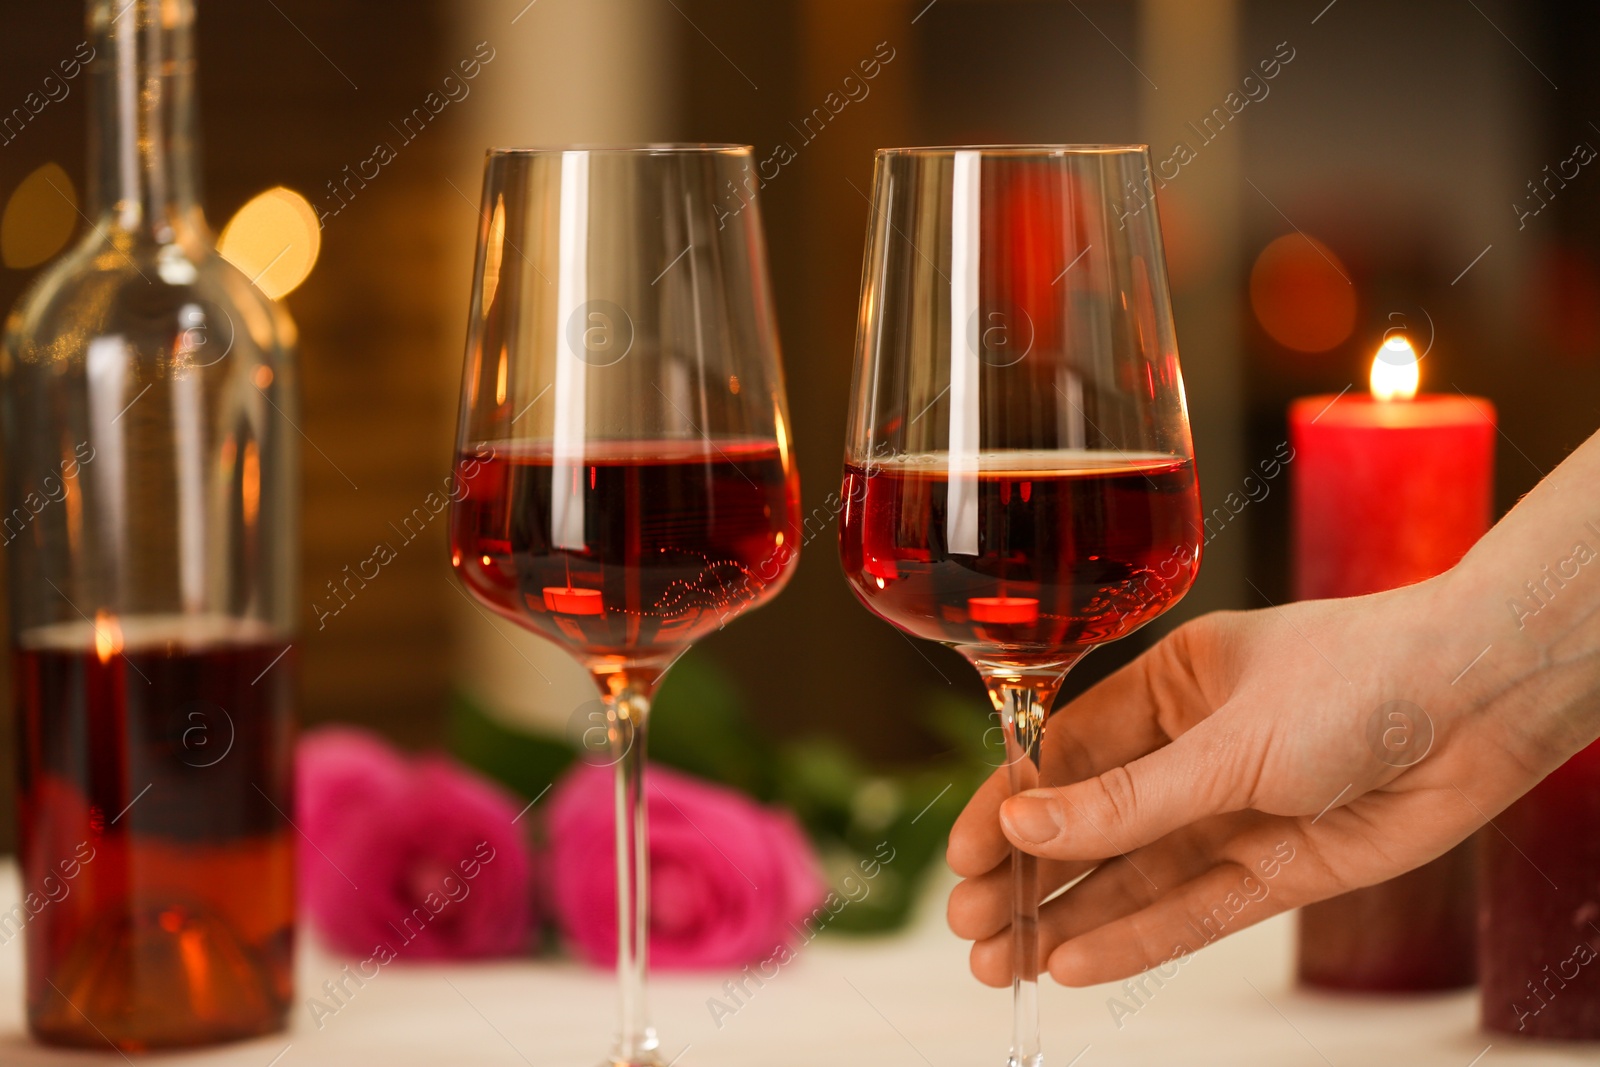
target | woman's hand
[{"x": 1253, "y": 762}]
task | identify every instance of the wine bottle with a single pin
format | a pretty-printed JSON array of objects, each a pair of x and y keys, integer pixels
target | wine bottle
[{"x": 149, "y": 532}]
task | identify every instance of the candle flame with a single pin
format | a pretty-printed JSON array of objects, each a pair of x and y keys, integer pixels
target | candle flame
[
  {"x": 1395, "y": 375},
  {"x": 107, "y": 636}
]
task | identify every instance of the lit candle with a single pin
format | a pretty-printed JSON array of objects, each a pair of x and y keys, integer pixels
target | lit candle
[{"x": 1390, "y": 488}]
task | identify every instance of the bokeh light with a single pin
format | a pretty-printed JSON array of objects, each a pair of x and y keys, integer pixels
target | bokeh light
[
  {"x": 274, "y": 239},
  {"x": 39, "y": 218},
  {"x": 1302, "y": 295}
]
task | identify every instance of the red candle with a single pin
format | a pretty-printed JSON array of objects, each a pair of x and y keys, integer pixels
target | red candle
[
  {"x": 1539, "y": 925},
  {"x": 1387, "y": 492},
  {"x": 1389, "y": 489}
]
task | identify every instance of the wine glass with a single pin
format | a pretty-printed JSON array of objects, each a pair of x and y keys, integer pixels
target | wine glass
[
  {"x": 624, "y": 483},
  {"x": 1019, "y": 480}
]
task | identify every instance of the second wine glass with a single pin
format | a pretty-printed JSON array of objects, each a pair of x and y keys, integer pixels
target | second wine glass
[
  {"x": 624, "y": 484},
  {"x": 1019, "y": 480}
]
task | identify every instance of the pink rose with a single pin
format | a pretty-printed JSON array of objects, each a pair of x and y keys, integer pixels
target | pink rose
[
  {"x": 415, "y": 857},
  {"x": 730, "y": 880}
]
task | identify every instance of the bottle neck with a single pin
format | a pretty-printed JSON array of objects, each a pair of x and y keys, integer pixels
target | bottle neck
[{"x": 142, "y": 141}]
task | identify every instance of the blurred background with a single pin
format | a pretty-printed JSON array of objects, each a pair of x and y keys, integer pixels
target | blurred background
[{"x": 1329, "y": 171}]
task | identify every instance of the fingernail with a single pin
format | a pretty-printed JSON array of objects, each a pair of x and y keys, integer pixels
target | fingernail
[{"x": 1031, "y": 819}]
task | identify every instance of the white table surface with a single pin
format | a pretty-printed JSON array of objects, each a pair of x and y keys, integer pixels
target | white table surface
[{"x": 901, "y": 1001}]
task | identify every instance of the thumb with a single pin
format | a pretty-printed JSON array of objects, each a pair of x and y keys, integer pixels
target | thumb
[{"x": 1124, "y": 808}]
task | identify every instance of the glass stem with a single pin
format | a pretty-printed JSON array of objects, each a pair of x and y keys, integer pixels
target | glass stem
[
  {"x": 1023, "y": 717},
  {"x": 1024, "y": 699},
  {"x": 627, "y": 710}
]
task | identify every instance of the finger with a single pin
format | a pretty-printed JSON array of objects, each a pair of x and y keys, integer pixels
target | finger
[
  {"x": 990, "y": 961},
  {"x": 1130, "y": 714},
  {"x": 981, "y": 907},
  {"x": 976, "y": 843},
  {"x": 1117, "y": 888},
  {"x": 1129, "y": 888},
  {"x": 1227, "y": 898},
  {"x": 1130, "y": 806},
  {"x": 1162, "y": 694}
]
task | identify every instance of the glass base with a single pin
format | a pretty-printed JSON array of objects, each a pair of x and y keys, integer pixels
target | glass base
[
  {"x": 637, "y": 1048},
  {"x": 646, "y": 1059}
]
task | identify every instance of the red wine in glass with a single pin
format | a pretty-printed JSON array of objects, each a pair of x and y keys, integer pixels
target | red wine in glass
[
  {"x": 638, "y": 549},
  {"x": 1073, "y": 548}
]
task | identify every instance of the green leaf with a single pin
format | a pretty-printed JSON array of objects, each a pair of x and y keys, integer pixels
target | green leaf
[
  {"x": 698, "y": 725},
  {"x": 519, "y": 761}
]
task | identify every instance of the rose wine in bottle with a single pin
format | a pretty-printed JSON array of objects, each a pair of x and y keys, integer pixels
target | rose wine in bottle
[{"x": 149, "y": 523}]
